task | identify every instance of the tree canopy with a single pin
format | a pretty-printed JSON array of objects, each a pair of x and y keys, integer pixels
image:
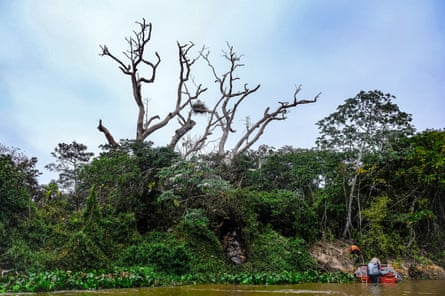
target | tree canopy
[{"x": 362, "y": 124}]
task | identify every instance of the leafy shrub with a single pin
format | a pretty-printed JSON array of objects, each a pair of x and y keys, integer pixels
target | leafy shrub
[
  {"x": 82, "y": 253},
  {"x": 162, "y": 252},
  {"x": 170, "y": 260},
  {"x": 205, "y": 248},
  {"x": 273, "y": 252},
  {"x": 378, "y": 239},
  {"x": 287, "y": 213},
  {"x": 21, "y": 257},
  {"x": 300, "y": 259}
]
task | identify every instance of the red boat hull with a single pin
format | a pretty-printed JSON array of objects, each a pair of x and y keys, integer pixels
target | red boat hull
[
  {"x": 383, "y": 279},
  {"x": 388, "y": 278}
]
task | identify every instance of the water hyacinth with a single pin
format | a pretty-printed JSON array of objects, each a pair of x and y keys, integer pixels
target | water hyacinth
[{"x": 146, "y": 277}]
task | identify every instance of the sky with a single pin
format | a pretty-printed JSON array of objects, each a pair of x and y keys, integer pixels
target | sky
[{"x": 54, "y": 85}]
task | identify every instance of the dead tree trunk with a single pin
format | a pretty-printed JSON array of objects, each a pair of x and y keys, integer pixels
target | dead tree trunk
[
  {"x": 146, "y": 125},
  {"x": 111, "y": 141},
  {"x": 184, "y": 98}
]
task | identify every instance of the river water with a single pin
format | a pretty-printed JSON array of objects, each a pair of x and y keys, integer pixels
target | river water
[{"x": 404, "y": 288}]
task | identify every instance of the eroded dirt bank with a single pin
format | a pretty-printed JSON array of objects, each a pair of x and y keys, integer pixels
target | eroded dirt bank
[{"x": 335, "y": 256}]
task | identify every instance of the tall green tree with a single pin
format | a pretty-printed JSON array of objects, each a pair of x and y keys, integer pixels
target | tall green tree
[
  {"x": 69, "y": 159},
  {"x": 362, "y": 124}
]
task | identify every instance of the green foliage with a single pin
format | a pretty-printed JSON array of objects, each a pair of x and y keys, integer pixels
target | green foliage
[
  {"x": 363, "y": 124},
  {"x": 97, "y": 236},
  {"x": 82, "y": 253},
  {"x": 274, "y": 253},
  {"x": 297, "y": 170},
  {"x": 204, "y": 246},
  {"x": 21, "y": 257},
  {"x": 146, "y": 277},
  {"x": 125, "y": 180},
  {"x": 69, "y": 280},
  {"x": 240, "y": 171},
  {"x": 379, "y": 239},
  {"x": 161, "y": 251},
  {"x": 15, "y": 197},
  {"x": 185, "y": 181},
  {"x": 286, "y": 212},
  {"x": 69, "y": 159},
  {"x": 17, "y": 186},
  {"x": 268, "y": 278},
  {"x": 117, "y": 180},
  {"x": 411, "y": 173},
  {"x": 193, "y": 189},
  {"x": 33, "y": 240},
  {"x": 366, "y": 121},
  {"x": 300, "y": 258}
]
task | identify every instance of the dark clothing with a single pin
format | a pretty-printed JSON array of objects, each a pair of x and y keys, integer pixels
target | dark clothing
[
  {"x": 373, "y": 271},
  {"x": 356, "y": 253},
  {"x": 375, "y": 278}
]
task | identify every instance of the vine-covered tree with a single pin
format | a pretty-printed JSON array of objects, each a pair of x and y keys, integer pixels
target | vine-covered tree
[
  {"x": 125, "y": 180},
  {"x": 364, "y": 123},
  {"x": 188, "y": 104}
]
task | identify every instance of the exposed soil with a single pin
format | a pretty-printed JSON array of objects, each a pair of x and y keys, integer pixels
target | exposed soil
[{"x": 335, "y": 256}]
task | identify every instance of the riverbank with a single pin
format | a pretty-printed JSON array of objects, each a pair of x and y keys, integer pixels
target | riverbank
[
  {"x": 335, "y": 256},
  {"x": 334, "y": 264}
]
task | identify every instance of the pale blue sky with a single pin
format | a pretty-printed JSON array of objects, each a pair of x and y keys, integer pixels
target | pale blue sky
[{"x": 54, "y": 86}]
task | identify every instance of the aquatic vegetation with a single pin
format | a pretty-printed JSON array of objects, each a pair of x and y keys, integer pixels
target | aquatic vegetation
[{"x": 147, "y": 277}]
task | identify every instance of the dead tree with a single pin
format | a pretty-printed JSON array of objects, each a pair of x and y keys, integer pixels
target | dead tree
[
  {"x": 223, "y": 113},
  {"x": 220, "y": 117},
  {"x": 134, "y": 60}
]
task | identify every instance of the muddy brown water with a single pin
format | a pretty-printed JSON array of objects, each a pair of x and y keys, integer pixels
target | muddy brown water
[{"x": 404, "y": 288}]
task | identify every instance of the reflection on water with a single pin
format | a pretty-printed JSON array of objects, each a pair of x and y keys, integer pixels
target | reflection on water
[{"x": 408, "y": 288}]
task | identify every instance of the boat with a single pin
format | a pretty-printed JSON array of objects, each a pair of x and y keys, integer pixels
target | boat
[{"x": 388, "y": 274}]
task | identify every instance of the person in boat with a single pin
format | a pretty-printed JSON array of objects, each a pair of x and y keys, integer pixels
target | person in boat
[{"x": 373, "y": 270}]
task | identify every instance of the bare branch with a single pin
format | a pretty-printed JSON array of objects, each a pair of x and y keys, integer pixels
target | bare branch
[
  {"x": 135, "y": 57},
  {"x": 257, "y": 129},
  {"x": 105, "y": 52},
  {"x": 184, "y": 96},
  {"x": 154, "y": 67},
  {"x": 185, "y": 126},
  {"x": 107, "y": 134}
]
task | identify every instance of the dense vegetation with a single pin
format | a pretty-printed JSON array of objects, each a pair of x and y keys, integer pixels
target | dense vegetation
[{"x": 142, "y": 215}]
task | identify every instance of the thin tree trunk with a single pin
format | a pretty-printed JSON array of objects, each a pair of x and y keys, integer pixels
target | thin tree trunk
[{"x": 348, "y": 224}]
